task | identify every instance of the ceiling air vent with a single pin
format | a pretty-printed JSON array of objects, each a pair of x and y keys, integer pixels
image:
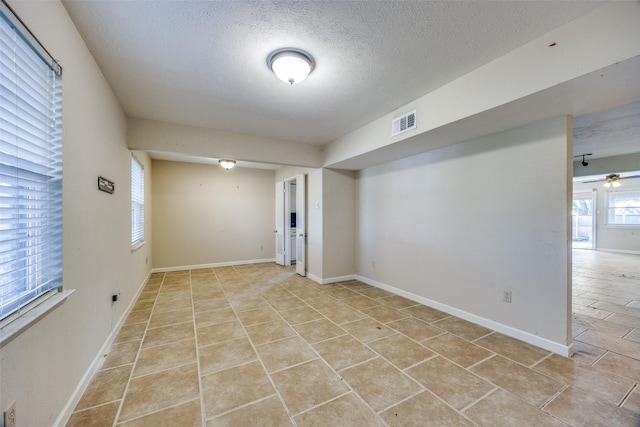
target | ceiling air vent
[{"x": 403, "y": 123}]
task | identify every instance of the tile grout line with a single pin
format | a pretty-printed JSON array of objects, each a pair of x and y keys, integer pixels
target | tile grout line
[{"x": 135, "y": 361}]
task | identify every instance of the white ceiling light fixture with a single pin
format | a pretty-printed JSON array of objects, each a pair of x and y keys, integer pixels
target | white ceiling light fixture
[
  {"x": 227, "y": 164},
  {"x": 291, "y": 65},
  {"x": 612, "y": 180}
]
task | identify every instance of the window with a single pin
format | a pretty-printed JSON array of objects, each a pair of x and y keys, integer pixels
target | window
[
  {"x": 137, "y": 202},
  {"x": 30, "y": 168},
  {"x": 623, "y": 208}
]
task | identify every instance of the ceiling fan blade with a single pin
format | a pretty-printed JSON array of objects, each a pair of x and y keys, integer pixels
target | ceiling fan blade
[
  {"x": 630, "y": 177},
  {"x": 597, "y": 180}
]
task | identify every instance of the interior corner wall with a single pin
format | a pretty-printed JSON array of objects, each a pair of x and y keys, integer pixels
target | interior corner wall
[
  {"x": 339, "y": 223},
  {"x": 42, "y": 367},
  {"x": 203, "y": 214},
  {"x": 614, "y": 238},
  {"x": 461, "y": 224}
]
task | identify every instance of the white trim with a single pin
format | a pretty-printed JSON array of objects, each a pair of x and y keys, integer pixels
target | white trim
[
  {"x": 620, "y": 251},
  {"x": 331, "y": 279},
  {"x": 30, "y": 314},
  {"x": 65, "y": 414},
  {"x": 563, "y": 350},
  {"x": 212, "y": 265}
]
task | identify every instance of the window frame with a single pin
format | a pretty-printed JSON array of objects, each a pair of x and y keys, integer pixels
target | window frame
[
  {"x": 607, "y": 207},
  {"x": 31, "y": 166},
  {"x": 137, "y": 203}
]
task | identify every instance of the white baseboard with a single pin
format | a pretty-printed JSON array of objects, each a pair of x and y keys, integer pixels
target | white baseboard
[
  {"x": 211, "y": 265},
  {"x": 65, "y": 414},
  {"x": 620, "y": 251},
  {"x": 331, "y": 279},
  {"x": 563, "y": 350}
]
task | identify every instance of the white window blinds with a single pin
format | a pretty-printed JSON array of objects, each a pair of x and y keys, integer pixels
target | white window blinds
[
  {"x": 30, "y": 168},
  {"x": 137, "y": 202}
]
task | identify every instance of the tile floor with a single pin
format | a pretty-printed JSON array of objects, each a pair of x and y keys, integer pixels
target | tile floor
[{"x": 257, "y": 345}]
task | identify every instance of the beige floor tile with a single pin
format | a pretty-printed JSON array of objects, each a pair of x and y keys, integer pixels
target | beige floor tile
[
  {"x": 462, "y": 328},
  {"x": 424, "y": 410},
  {"x": 265, "y": 413},
  {"x": 224, "y": 355},
  {"x": 121, "y": 354},
  {"x": 531, "y": 386},
  {"x": 633, "y": 336},
  {"x": 343, "y": 314},
  {"x": 618, "y": 345},
  {"x": 231, "y": 388},
  {"x": 617, "y": 308},
  {"x": 287, "y": 303},
  {"x": 624, "y": 319},
  {"x": 512, "y": 348},
  {"x": 616, "y": 364},
  {"x": 425, "y": 313},
  {"x": 590, "y": 311},
  {"x": 168, "y": 334},
  {"x": 586, "y": 354},
  {"x": 163, "y": 307},
  {"x": 347, "y": 410},
  {"x": 140, "y": 316},
  {"x": 607, "y": 297},
  {"x": 207, "y": 292},
  {"x": 367, "y": 329},
  {"x": 384, "y": 314},
  {"x": 503, "y": 408},
  {"x": 300, "y": 315},
  {"x": 600, "y": 325},
  {"x": 98, "y": 416},
  {"x": 218, "y": 333},
  {"x": 159, "y": 358},
  {"x": 400, "y": 351},
  {"x": 249, "y": 303},
  {"x": 161, "y": 390},
  {"x": 577, "y": 409},
  {"x": 415, "y": 329},
  {"x": 305, "y": 386},
  {"x": 143, "y": 304},
  {"x": 460, "y": 351},
  {"x": 184, "y": 415},
  {"x": 456, "y": 386},
  {"x": 379, "y": 383},
  {"x": 184, "y": 294},
  {"x": 281, "y": 354},
  {"x": 344, "y": 351},
  {"x": 361, "y": 301},
  {"x": 374, "y": 293},
  {"x": 214, "y": 317},
  {"x": 397, "y": 302},
  {"x": 318, "y": 330},
  {"x": 340, "y": 292},
  {"x": 170, "y": 318},
  {"x": 260, "y": 315},
  {"x": 106, "y": 386},
  {"x": 632, "y": 403},
  {"x": 210, "y": 304},
  {"x": 270, "y": 331},
  {"x": 132, "y": 332}
]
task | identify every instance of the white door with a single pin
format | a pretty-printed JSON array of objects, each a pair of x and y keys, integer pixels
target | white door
[
  {"x": 279, "y": 231},
  {"x": 301, "y": 226}
]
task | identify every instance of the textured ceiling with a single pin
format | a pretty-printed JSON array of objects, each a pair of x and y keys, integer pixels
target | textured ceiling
[{"x": 203, "y": 63}]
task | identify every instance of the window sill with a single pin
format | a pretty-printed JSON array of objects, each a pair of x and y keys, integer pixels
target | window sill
[
  {"x": 31, "y": 316},
  {"x": 137, "y": 246}
]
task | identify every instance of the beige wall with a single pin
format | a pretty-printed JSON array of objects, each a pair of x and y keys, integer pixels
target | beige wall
[
  {"x": 41, "y": 368},
  {"x": 339, "y": 224},
  {"x": 205, "y": 215},
  {"x": 459, "y": 225}
]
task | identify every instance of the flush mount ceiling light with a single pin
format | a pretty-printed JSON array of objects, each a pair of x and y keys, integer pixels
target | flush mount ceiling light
[
  {"x": 227, "y": 164},
  {"x": 291, "y": 65}
]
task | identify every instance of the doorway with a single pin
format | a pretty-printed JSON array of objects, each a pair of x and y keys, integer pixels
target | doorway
[
  {"x": 290, "y": 230},
  {"x": 583, "y": 221}
]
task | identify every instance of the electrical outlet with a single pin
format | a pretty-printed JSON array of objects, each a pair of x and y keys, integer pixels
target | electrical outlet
[
  {"x": 506, "y": 296},
  {"x": 10, "y": 415}
]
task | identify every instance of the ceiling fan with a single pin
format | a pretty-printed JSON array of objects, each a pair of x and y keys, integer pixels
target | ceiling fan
[{"x": 613, "y": 180}]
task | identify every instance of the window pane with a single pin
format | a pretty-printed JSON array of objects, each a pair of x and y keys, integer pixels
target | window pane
[
  {"x": 30, "y": 172},
  {"x": 137, "y": 201},
  {"x": 623, "y": 208}
]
